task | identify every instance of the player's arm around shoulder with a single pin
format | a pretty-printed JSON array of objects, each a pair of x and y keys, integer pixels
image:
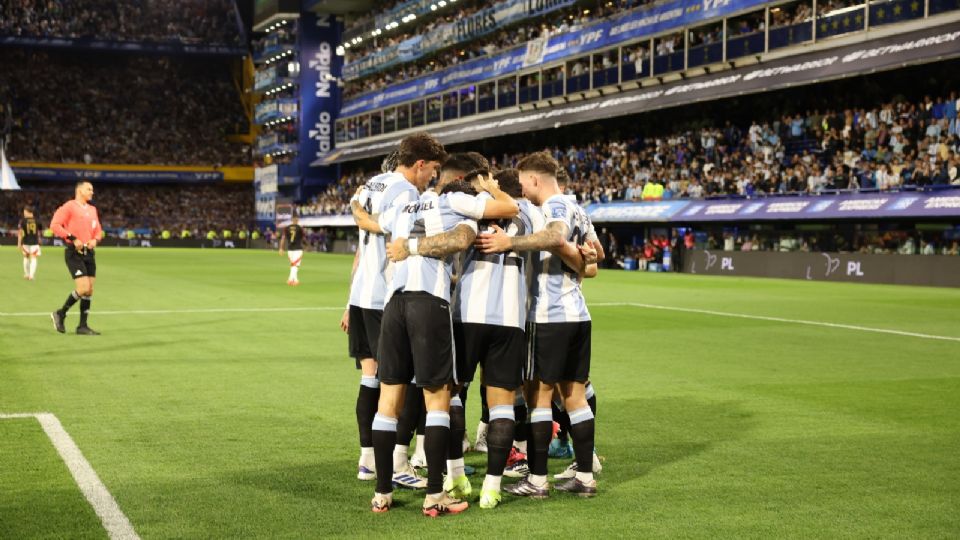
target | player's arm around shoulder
[{"x": 437, "y": 246}]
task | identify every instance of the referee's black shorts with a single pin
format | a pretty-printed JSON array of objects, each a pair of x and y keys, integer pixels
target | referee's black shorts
[
  {"x": 559, "y": 352},
  {"x": 363, "y": 332},
  {"x": 501, "y": 350},
  {"x": 416, "y": 341},
  {"x": 80, "y": 264}
]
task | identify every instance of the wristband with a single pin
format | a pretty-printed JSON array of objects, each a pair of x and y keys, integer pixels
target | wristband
[{"x": 412, "y": 246}]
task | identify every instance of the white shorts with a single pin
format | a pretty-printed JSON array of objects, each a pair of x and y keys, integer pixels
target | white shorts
[
  {"x": 295, "y": 257},
  {"x": 33, "y": 250}
]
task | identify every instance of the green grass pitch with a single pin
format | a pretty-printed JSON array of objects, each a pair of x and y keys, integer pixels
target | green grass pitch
[{"x": 241, "y": 423}]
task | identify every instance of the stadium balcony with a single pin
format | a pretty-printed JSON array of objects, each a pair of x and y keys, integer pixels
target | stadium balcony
[{"x": 505, "y": 89}]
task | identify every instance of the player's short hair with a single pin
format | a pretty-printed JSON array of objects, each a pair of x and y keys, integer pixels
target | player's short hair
[
  {"x": 562, "y": 177},
  {"x": 462, "y": 186},
  {"x": 390, "y": 161},
  {"x": 417, "y": 146},
  {"x": 465, "y": 161},
  {"x": 540, "y": 162},
  {"x": 509, "y": 180}
]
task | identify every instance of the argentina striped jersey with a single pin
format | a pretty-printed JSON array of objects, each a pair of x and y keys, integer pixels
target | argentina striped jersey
[
  {"x": 555, "y": 294},
  {"x": 383, "y": 192},
  {"x": 431, "y": 215},
  {"x": 493, "y": 288}
]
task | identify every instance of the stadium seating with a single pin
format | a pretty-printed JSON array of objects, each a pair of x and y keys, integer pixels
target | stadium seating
[
  {"x": 78, "y": 107},
  {"x": 888, "y": 147},
  {"x": 187, "y": 21}
]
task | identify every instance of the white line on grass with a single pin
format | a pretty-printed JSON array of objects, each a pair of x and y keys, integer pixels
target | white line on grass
[
  {"x": 777, "y": 319},
  {"x": 181, "y": 311},
  {"x": 113, "y": 519},
  {"x": 600, "y": 304}
]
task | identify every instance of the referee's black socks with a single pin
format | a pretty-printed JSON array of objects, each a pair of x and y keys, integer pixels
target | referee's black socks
[
  {"x": 84, "y": 309},
  {"x": 71, "y": 300}
]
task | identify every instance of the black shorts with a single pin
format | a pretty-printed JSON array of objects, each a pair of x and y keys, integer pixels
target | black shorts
[
  {"x": 364, "y": 332},
  {"x": 559, "y": 351},
  {"x": 80, "y": 264},
  {"x": 416, "y": 341},
  {"x": 501, "y": 350}
]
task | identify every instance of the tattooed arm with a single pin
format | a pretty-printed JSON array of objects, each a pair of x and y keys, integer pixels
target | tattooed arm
[
  {"x": 437, "y": 246},
  {"x": 549, "y": 239}
]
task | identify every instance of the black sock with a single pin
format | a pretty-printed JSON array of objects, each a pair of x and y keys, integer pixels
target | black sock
[
  {"x": 541, "y": 428},
  {"x": 384, "y": 437},
  {"x": 458, "y": 426},
  {"x": 537, "y": 446},
  {"x": 84, "y": 309},
  {"x": 499, "y": 443},
  {"x": 367, "y": 399},
  {"x": 521, "y": 432},
  {"x": 422, "y": 424},
  {"x": 435, "y": 442},
  {"x": 582, "y": 434},
  {"x": 484, "y": 410},
  {"x": 71, "y": 300},
  {"x": 410, "y": 415},
  {"x": 563, "y": 419}
]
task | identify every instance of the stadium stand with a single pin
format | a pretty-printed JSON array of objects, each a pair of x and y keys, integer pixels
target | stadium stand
[
  {"x": 188, "y": 21},
  {"x": 149, "y": 209},
  {"x": 77, "y": 107},
  {"x": 891, "y": 146},
  {"x": 507, "y": 37}
]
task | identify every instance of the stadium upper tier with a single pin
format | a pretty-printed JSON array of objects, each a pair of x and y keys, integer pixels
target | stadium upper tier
[
  {"x": 646, "y": 46},
  {"x": 75, "y": 107},
  {"x": 188, "y": 22},
  {"x": 890, "y": 146}
]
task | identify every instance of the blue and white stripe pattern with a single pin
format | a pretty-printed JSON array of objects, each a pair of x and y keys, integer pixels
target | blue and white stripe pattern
[
  {"x": 580, "y": 415},
  {"x": 383, "y": 193},
  {"x": 438, "y": 418},
  {"x": 384, "y": 423},
  {"x": 541, "y": 415},
  {"x": 431, "y": 215},
  {"x": 492, "y": 288},
  {"x": 502, "y": 412},
  {"x": 555, "y": 294}
]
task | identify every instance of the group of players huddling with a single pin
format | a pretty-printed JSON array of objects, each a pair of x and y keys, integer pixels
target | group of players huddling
[{"x": 484, "y": 268}]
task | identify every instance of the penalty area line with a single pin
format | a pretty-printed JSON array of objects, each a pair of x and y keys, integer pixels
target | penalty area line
[
  {"x": 113, "y": 519},
  {"x": 778, "y": 319}
]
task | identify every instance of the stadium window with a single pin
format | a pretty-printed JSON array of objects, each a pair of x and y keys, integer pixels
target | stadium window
[{"x": 791, "y": 24}]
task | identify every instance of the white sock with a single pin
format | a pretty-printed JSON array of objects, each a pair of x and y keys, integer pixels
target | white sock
[
  {"x": 537, "y": 480},
  {"x": 400, "y": 457},
  {"x": 521, "y": 446},
  {"x": 491, "y": 482},
  {"x": 26, "y": 266},
  {"x": 420, "y": 451},
  {"x": 33, "y": 266},
  {"x": 366, "y": 452},
  {"x": 584, "y": 476},
  {"x": 455, "y": 467},
  {"x": 293, "y": 272}
]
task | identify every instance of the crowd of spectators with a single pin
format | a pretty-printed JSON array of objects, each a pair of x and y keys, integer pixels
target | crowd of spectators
[
  {"x": 896, "y": 144},
  {"x": 552, "y": 23},
  {"x": 187, "y": 21},
  {"x": 75, "y": 107},
  {"x": 198, "y": 208}
]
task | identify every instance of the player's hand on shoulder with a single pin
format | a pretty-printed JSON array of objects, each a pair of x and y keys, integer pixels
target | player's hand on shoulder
[
  {"x": 493, "y": 242},
  {"x": 397, "y": 250}
]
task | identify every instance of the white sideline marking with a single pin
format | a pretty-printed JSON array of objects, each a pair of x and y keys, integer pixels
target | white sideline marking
[
  {"x": 589, "y": 305},
  {"x": 181, "y": 311},
  {"x": 113, "y": 519},
  {"x": 778, "y": 319}
]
